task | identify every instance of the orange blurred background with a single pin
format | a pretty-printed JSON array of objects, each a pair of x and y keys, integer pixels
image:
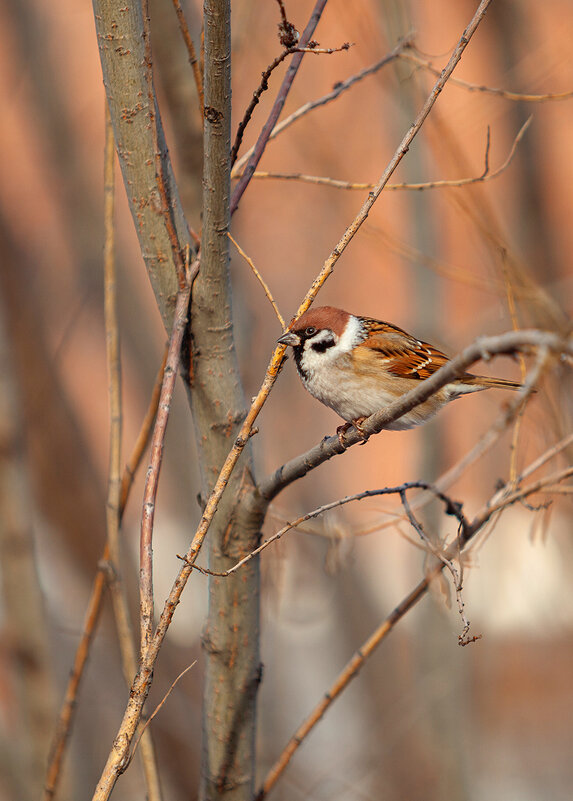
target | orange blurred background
[{"x": 425, "y": 719}]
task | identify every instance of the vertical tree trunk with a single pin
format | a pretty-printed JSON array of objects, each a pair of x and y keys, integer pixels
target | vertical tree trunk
[{"x": 231, "y": 637}]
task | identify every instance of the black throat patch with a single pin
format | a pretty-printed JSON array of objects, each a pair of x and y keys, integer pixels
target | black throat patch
[{"x": 297, "y": 353}]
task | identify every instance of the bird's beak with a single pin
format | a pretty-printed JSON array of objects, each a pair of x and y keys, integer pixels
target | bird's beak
[{"x": 289, "y": 339}]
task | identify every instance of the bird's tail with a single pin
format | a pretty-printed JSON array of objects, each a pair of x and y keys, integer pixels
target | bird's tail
[{"x": 474, "y": 383}]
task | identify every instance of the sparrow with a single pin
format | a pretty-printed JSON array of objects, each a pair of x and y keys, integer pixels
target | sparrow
[{"x": 358, "y": 365}]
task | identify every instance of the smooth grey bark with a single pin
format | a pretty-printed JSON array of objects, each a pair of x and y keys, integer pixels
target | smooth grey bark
[
  {"x": 231, "y": 639},
  {"x": 121, "y": 43}
]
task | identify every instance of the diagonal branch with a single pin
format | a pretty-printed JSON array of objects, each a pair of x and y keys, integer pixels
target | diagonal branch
[
  {"x": 367, "y": 649},
  {"x": 338, "y": 90},
  {"x": 277, "y": 107},
  {"x": 156, "y": 458},
  {"x": 492, "y": 90}
]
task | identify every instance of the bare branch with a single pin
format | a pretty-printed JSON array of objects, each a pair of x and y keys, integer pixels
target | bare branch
[
  {"x": 262, "y": 87},
  {"x": 321, "y": 51},
  {"x": 142, "y": 440},
  {"x": 160, "y": 705},
  {"x": 454, "y": 183},
  {"x": 65, "y": 715},
  {"x": 157, "y": 441},
  {"x": 367, "y": 649},
  {"x": 277, "y": 107},
  {"x": 338, "y": 90},
  {"x": 472, "y": 87},
  {"x": 260, "y": 279},
  {"x": 452, "y": 508},
  {"x": 193, "y": 60}
]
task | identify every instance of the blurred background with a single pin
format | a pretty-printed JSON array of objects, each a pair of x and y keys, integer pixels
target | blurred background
[{"x": 426, "y": 718}]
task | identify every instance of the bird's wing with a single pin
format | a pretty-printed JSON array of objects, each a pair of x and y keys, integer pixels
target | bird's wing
[{"x": 399, "y": 352}]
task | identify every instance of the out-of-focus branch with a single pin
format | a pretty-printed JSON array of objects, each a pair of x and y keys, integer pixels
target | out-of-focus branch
[
  {"x": 25, "y": 633},
  {"x": 491, "y": 90},
  {"x": 193, "y": 60},
  {"x": 65, "y": 716},
  {"x": 143, "y": 436},
  {"x": 467, "y": 531}
]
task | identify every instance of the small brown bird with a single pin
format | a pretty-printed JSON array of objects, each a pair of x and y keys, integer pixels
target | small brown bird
[{"x": 357, "y": 366}]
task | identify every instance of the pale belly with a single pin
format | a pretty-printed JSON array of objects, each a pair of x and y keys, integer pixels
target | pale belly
[{"x": 341, "y": 394}]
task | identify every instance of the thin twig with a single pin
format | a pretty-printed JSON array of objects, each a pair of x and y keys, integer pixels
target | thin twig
[
  {"x": 142, "y": 440},
  {"x": 276, "y": 109},
  {"x": 545, "y": 457},
  {"x": 323, "y": 51},
  {"x": 113, "y": 513},
  {"x": 472, "y": 87},
  {"x": 486, "y": 175},
  {"x": 260, "y": 279},
  {"x": 452, "y": 508},
  {"x": 193, "y": 60},
  {"x": 339, "y": 89},
  {"x": 156, "y": 457},
  {"x": 366, "y": 650},
  {"x": 69, "y": 704},
  {"x": 159, "y": 706},
  {"x": 262, "y": 87}
]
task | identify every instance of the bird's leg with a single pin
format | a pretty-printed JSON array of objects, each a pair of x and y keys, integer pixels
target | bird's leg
[
  {"x": 341, "y": 430},
  {"x": 358, "y": 426}
]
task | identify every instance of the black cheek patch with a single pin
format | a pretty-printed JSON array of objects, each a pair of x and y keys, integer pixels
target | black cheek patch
[{"x": 322, "y": 347}]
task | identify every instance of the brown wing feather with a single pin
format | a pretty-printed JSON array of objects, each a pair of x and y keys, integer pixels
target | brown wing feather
[{"x": 402, "y": 354}]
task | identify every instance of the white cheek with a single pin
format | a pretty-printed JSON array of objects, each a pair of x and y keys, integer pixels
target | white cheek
[{"x": 351, "y": 336}]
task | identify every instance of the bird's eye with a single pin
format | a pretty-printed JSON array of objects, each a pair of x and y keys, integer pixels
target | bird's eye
[{"x": 310, "y": 331}]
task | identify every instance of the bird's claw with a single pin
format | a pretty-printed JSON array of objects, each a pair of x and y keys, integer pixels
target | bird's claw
[{"x": 341, "y": 431}]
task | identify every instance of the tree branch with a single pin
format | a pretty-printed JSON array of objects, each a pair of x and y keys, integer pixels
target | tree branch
[
  {"x": 338, "y": 90},
  {"x": 138, "y": 132},
  {"x": 467, "y": 532},
  {"x": 277, "y": 107}
]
